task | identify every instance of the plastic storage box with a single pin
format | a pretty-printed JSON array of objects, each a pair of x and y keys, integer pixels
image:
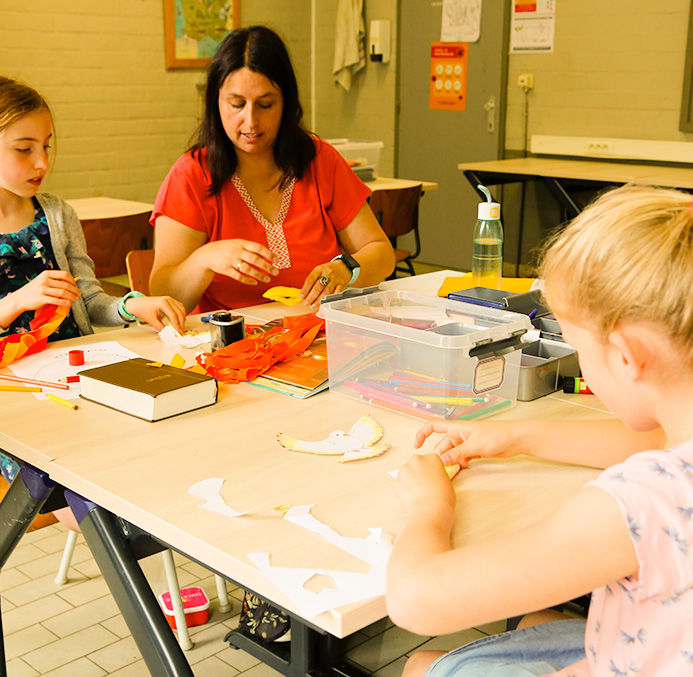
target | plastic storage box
[
  {"x": 365, "y": 153},
  {"x": 544, "y": 365},
  {"x": 424, "y": 356},
  {"x": 195, "y": 606}
]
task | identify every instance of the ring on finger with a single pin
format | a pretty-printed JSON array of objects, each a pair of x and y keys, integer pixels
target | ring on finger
[
  {"x": 238, "y": 265},
  {"x": 324, "y": 280}
]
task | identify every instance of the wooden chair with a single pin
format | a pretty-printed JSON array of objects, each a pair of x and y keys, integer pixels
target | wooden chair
[
  {"x": 397, "y": 211},
  {"x": 139, "y": 264}
]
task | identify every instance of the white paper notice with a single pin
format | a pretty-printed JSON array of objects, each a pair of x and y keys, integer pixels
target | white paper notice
[
  {"x": 191, "y": 339},
  {"x": 461, "y": 21},
  {"x": 532, "y": 26}
]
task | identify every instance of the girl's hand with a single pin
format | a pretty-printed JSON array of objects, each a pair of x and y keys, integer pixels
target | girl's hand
[
  {"x": 465, "y": 440},
  {"x": 242, "y": 260},
  {"x": 422, "y": 485},
  {"x": 335, "y": 273},
  {"x": 151, "y": 309},
  {"x": 56, "y": 287}
]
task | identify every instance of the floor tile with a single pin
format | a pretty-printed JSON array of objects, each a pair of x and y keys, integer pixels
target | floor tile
[
  {"x": 24, "y": 552},
  {"x": 238, "y": 659},
  {"x": 117, "y": 626},
  {"x": 453, "y": 641},
  {"x": 393, "y": 669},
  {"x": 82, "y": 667},
  {"x": 53, "y": 543},
  {"x": 12, "y": 578},
  {"x": 117, "y": 655},
  {"x": 262, "y": 670},
  {"x": 35, "y": 612},
  {"x": 138, "y": 669},
  {"x": 18, "y": 668},
  {"x": 27, "y": 640},
  {"x": 213, "y": 667},
  {"x": 35, "y": 589},
  {"x": 385, "y": 648},
  {"x": 83, "y": 616},
  {"x": 85, "y": 591},
  {"x": 69, "y": 648},
  {"x": 207, "y": 643},
  {"x": 49, "y": 564}
]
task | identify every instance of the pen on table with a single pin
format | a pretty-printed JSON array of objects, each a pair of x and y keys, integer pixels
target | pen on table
[
  {"x": 450, "y": 400},
  {"x": 34, "y": 382},
  {"x": 383, "y": 393},
  {"x": 532, "y": 314},
  {"x": 60, "y": 400},
  {"x": 20, "y": 389},
  {"x": 483, "y": 410},
  {"x": 442, "y": 389}
]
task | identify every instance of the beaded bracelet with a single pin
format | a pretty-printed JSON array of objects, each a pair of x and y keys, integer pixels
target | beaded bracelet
[{"x": 127, "y": 316}]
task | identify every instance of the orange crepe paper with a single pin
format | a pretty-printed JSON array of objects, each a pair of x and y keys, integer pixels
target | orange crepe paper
[
  {"x": 246, "y": 359},
  {"x": 46, "y": 320}
]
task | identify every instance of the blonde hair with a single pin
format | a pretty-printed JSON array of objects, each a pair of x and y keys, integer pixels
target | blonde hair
[
  {"x": 626, "y": 257},
  {"x": 18, "y": 100}
]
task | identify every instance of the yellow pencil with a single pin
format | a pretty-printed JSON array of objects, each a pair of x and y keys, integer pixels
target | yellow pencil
[
  {"x": 60, "y": 400},
  {"x": 21, "y": 389}
]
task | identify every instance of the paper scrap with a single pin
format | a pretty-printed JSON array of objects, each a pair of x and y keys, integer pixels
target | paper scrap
[
  {"x": 289, "y": 296},
  {"x": 349, "y": 587},
  {"x": 461, "y": 21},
  {"x": 210, "y": 490},
  {"x": 191, "y": 339}
]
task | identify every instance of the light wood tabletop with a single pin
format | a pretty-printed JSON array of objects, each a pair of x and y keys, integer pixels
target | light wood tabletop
[
  {"x": 670, "y": 176},
  {"x": 385, "y": 183},
  {"x": 142, "y": 471}
]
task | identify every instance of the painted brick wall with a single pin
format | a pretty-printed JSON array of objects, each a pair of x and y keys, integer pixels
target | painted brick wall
[{"x": 617, "y": 71}]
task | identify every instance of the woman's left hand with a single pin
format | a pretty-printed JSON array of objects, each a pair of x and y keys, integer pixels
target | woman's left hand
[
  {"x": 151, "y": 309},
  {"x": 327, "y": 278}
]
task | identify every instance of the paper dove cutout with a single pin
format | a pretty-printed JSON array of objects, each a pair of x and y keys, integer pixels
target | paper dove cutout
[{"x": 358, "y": 443}]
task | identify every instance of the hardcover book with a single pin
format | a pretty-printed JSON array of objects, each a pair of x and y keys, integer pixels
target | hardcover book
[{"x": 141, "y": 388}]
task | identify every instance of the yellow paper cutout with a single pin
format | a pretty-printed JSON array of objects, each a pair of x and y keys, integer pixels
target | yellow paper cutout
[
  {"x": 178, "y": 361},
  {"x": 289, "y": 296},
  {"x": 518, "y": 285}
]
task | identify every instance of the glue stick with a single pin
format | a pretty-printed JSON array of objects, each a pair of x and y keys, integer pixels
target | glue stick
[{"x": 575, "y": 385}]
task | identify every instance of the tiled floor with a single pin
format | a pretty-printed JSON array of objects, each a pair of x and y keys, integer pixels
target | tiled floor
[{"x": 76, "y": 630}]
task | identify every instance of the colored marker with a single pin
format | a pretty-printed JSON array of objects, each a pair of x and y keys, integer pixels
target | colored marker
[
  {"x": 60, "y": 400},
  {"x": 575, "y": 385},
  {"x": 20, "y": 389},
  {"x": 482, "y": 411},
  {"x": 451, "y": 400}
]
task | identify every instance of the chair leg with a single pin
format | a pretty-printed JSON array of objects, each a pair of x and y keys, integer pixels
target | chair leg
[
  {"x": 222, "y": 594},
  {"x": 69, "y": 550},
  {"x": 176, "y": 601}
]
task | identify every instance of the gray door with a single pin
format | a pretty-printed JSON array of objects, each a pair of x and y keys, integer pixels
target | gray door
[{"x": 431, "y": 143}]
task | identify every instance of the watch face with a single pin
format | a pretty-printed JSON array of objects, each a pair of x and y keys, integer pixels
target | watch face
[{"x": 350, "y": 262}]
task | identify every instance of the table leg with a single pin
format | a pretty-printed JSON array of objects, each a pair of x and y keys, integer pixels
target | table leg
[
  {"x": 107, "y": 539},
  {"x": 24, "y": 498}
]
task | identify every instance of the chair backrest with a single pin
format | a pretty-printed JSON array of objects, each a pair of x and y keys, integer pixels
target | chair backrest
[
  {"x": 397, "y": 209},
  {"x": 139, "y": 263}
]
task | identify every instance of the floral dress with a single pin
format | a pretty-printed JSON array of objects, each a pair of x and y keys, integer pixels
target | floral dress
[{"x": 23, "y": 256}]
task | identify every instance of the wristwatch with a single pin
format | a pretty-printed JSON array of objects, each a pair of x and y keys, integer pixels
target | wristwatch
[{"x": 352, "y": 266}]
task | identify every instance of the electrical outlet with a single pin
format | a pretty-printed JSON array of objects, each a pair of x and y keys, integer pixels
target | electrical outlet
[
  {"x": 599, "y": 147},
  {"x": 526, "y": 81}
]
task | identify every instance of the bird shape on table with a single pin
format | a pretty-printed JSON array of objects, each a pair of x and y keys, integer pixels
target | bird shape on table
[{"x": 359, "y": 442}]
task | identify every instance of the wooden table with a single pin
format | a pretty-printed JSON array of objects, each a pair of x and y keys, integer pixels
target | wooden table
[
  {"x": 141, "y": 472},
  {"x": 385, "y": 183},
  {"x": 557, "y": 174},
  {"x": 112, "y": 228}
]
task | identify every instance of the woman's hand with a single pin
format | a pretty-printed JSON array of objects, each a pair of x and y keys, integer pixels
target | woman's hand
[
  {"x": 465, "y": 440},
  {"x": 422, "y": 485},
  {"x": 243, "y": 260},
  {"x": 327, "y": 278},
  {"x": 56, "y": 287},
  {"x": 151, "y": 309}
]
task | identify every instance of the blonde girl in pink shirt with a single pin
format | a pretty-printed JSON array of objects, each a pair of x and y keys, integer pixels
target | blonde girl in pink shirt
[{"x": 620, "y": 280}]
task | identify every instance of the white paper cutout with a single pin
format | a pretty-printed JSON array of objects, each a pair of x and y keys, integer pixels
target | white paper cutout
[
  {"x": 191, "y": 339},
  {"x": 210, "y": 490},
  {"x": 350, "y": 587}
]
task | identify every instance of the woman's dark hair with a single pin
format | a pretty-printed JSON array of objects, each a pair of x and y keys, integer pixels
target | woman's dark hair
[{"x": 261, "y": 50}]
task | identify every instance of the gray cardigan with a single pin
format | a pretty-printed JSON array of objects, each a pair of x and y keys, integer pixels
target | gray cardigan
[{"x": 70, "y": 249}]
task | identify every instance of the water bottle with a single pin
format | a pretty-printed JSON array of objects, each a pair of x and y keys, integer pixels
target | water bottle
[{"x": 487, "y": 254}]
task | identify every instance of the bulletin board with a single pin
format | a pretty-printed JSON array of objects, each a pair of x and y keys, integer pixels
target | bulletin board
[
  {"x": 448, "y": 89},
  {"x": 194, "y": 29}
]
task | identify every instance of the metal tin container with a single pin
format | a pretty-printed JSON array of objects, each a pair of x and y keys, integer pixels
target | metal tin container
[
  {"x": 225, "y": 328},
  {"x": 543, "y": 366}
]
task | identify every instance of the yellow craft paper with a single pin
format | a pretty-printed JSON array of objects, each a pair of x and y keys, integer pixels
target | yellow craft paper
[
  {"x": 518, "y": 285},
  {"x": 178, "y": 361},
  {"x": 286, "y": 295}
]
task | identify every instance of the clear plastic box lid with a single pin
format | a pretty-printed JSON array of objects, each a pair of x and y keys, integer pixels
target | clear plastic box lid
[{"x": 426, "y": 319}]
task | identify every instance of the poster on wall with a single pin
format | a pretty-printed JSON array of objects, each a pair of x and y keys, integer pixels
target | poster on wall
[
  {"x": 194, "y": 29},
  {"x": 448, "y": 90},
  {"x": 532, "y": 26},
  {"x": 461, "y": 21}
]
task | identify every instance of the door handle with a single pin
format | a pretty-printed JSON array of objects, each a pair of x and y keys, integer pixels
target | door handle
[{"x": 490, "y": 108}]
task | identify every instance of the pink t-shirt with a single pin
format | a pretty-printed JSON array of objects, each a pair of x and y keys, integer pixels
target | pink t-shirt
[
  {"x": 643, "y": 625},
  {"x": 304, "y": 234}
]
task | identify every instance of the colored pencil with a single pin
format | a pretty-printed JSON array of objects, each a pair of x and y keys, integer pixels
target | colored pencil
[
  {"x": 20, "y": 389},
  {"x": 34, "y": 382},
  {"x": 60, "y": 400}
]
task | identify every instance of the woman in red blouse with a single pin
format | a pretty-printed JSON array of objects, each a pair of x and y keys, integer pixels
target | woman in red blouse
[{"x": 258, "y": 201}]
